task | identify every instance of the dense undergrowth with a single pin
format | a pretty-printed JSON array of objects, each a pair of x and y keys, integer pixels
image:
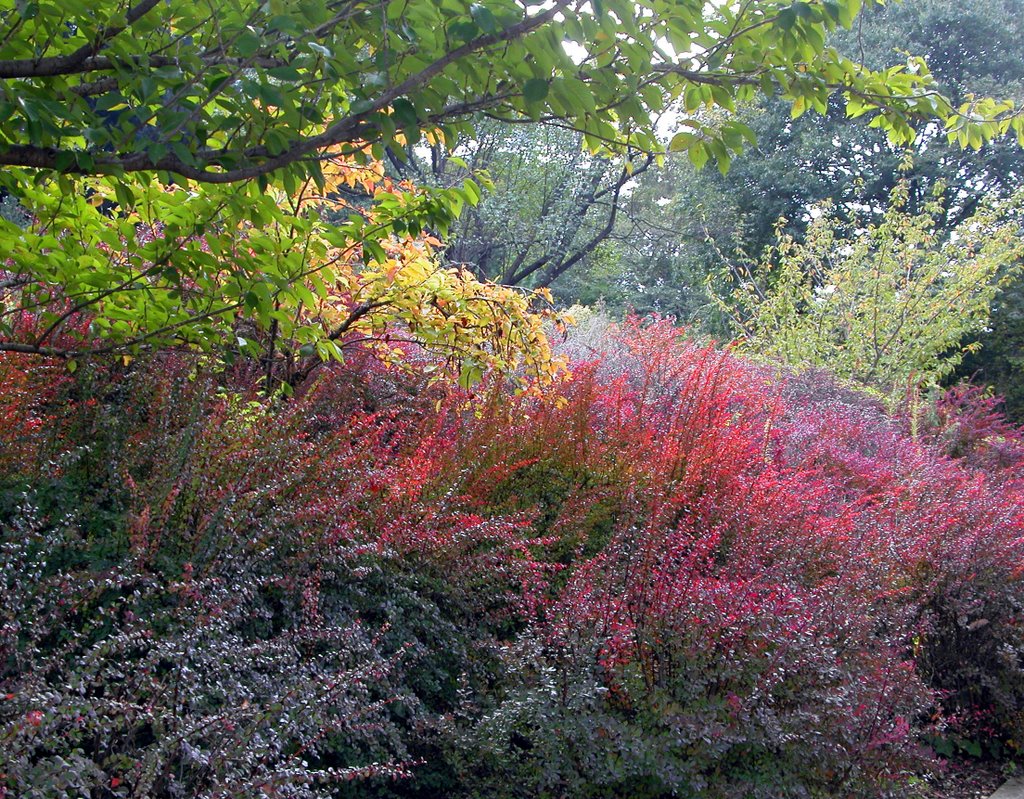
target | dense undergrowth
[{"x": 671, "y": 574}]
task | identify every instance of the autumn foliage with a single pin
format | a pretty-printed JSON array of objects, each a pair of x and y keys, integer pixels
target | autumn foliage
[
  {"x": 328, "y": 266},
  {"x": 669, "y": 573}
]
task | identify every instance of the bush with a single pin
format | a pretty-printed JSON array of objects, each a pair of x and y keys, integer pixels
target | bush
[
  {"x": 220, "y": 681},
  {"x": 672, "y": 573}
]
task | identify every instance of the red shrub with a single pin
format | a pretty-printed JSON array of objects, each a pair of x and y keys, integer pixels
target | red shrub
[
  {"x": 686, "y": 572},
  {"x": 967, "y": 423}
]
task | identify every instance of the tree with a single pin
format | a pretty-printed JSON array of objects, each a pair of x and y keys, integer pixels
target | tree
[
  {"x": 667, "y": 239},
  {"x": 591, "y": 227},
  {"x": 549, "y": 207},
  {"x": 884, "y": 305},
  {"x": 657, "y": 255},
  {"x": 203, "y": 117},
  {"x": 971, "y": 47}
]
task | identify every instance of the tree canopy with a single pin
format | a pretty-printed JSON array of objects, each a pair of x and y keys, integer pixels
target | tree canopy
[
  {"x": 220, "y": 92},
  {"x": 164, "y": 152}
]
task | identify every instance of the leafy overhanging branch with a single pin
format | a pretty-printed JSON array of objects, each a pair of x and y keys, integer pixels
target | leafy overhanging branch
[{"x": 164, "y": 89}]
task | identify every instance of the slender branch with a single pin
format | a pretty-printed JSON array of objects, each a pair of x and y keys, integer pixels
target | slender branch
[
  {"x": 358, "y": 312},
  {"x": 14, "y": 283},
  {"x": 563, "y": 264},
  {"x": 33, "y": 349},
  {"x": 600, "y": 236}
]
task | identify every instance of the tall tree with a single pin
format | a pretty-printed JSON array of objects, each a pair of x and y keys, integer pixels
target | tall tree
[
  {"x": 971, "y": 48},
  {"x": 549, "y": 207}
]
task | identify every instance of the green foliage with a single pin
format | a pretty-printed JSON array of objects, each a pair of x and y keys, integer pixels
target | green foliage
[
  {"x": 251, "y": 87},
  {"x": 257, "y": 272},
  {"x": 207, "y": 118},
  {"x": 885, "y": 306},
  {"x": 999, "y": 359},
  {"x": 972, "y": 47}
]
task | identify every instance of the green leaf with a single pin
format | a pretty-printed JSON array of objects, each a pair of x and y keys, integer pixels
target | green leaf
[
  {"x": 472, "y": 191},
  {"x": 469, "y": 375},
  {"x": 125, "y": 198},
  {"x": 404, "y": 113},
  {"x": 682, "y": 141},
  {"x": 535, "y": 90},
  {"x": 483, "y": 18},
  {"x": 285, "y": 73},
  {"x": 575, "y": 96},
  {"x": 463, "y": 31},
  {"x": 247, "y": 44},
  {"x": 699, "y": 155},
  {"x": 63, "y": 160}
]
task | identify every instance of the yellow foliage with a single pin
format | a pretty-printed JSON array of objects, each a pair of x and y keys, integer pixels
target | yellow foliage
[
  {"x": 403, "y": 295},
  {"x": 886, "y": 305}
]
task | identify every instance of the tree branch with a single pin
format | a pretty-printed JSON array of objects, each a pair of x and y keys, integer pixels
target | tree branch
[
  {"x": 358, "y": 312},
  {"x": 601, "y": 235},
  {"x": 79, "y": 60},
  {"x": 563, "y": 264},
  {"x": 349, "y": 128}
]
